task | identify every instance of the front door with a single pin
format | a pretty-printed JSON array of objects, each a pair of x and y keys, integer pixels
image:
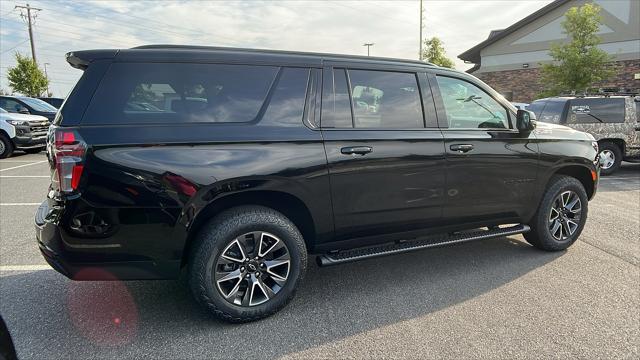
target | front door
[
  {"x": 386, "y": 164},
  {"x": 491, "y": 167}
]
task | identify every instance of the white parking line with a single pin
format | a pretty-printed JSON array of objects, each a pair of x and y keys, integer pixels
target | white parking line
[
  {"x": 19, "y": 166},
  {"x": 24, "y": 176},
  {"x": 4, "y": 268},
  {"x": 15, "y": 161},
  {"x": 19, "y": 204}
]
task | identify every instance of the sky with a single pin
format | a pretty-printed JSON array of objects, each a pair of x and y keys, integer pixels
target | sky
[{"x": 319, "y": 26}]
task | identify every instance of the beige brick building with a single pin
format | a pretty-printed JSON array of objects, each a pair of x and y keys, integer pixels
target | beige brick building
[{"x": 509, "y": 59}]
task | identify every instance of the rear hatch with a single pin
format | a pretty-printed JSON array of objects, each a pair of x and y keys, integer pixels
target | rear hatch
[{"x": 66, "y": 149}]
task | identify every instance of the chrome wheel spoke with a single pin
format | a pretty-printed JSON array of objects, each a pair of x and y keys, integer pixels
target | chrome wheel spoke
[
  {"x": 235, "y": 252},
  {"x": 556, "y": 231},
  {"x": 554, "y": 214},
  {"x": 268, "y": 244}
]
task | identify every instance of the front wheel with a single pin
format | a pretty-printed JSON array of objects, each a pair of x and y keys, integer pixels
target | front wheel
[
  {"x": 561, "y": 215},
  {"x": 246, "y": 263},
  {"x": 6, "y": 146}
]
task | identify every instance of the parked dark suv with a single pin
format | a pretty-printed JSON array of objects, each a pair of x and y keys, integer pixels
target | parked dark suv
[
  {"x": 27, "y": 105},
  {"x": 237, "y": 165}
]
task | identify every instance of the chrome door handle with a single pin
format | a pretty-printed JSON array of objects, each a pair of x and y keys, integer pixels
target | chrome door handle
[
  {"x": 462, "y": 148},
  {"x": 356, "y": 150}
]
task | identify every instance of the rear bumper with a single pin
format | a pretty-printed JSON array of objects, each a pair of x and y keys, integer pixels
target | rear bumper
[{"x": 70, "y": 263}]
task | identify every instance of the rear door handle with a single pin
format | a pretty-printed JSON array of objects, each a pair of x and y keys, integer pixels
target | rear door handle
[
  {"x": 356, "y": 150},
  {"x": 463, "y": 148}
]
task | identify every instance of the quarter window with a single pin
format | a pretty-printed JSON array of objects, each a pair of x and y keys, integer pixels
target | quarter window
[
  {"x": 384, "y": 99},
  {"x": 469, "y": 107},
  {"x": 595, "y": 111},
  {"x": 180, "y": 93}
]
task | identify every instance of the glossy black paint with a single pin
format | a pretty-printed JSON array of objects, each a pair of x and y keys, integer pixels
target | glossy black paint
[{"x": 146, "y": 189}]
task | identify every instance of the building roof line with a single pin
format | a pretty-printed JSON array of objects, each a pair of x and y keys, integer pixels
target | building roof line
[{"x": 473, "y": 54}]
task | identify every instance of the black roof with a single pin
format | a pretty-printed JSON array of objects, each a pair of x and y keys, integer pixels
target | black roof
[
  {"x": 80, "y": 59},
  {"x": 473, "y": 54}
]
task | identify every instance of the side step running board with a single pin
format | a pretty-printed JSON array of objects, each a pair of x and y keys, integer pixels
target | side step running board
[{"x": 411, "y": 245}]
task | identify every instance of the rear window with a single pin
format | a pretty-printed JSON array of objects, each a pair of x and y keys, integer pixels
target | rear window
[
  {"x": 136, "y": 93},
  {"x": 596, "y": 111}
]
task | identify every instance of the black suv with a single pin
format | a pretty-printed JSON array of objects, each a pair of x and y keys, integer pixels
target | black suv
[{"x": 235, "y": 165}]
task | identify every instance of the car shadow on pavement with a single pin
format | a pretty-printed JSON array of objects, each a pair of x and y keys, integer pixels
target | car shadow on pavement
[{"x": 49, "y": 315}]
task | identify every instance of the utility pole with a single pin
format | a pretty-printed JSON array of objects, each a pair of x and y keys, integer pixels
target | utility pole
[
  {"x": 30, "y": 22},
  {"x": 47, "y": 77},
  {"x": 420, "y": 53},
  {"x": 368, "y": 45}
]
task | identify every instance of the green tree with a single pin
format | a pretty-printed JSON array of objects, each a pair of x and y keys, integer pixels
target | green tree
[
  {"x": 579, "y": 63},
  {"x": 433, "y": 52},
  {"x": 26, "y": 77}
]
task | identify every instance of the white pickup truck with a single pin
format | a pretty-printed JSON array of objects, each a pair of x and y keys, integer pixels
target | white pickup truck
[{"x": 23, "y": 132}]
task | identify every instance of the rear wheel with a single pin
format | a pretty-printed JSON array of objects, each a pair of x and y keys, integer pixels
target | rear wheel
[
  {"x": 6, "y": 146},
  {"x": 611, "y": 156},
  {"x": 246, "y": 263},
  {"x": 561, "y": 215}
]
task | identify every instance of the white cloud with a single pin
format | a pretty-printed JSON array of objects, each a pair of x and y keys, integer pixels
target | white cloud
[{"x": 320, "y": 26}]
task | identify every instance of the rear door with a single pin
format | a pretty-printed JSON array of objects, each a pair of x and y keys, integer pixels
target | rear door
[
  {"x": 491, "y": 167},
  {"x": 384, "y": 150}
]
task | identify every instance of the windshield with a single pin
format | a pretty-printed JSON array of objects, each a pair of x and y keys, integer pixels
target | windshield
[{"x": 39, "y": 105}]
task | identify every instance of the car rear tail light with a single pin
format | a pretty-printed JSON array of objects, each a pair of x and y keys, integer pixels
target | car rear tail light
[{"x": 68, "y": 154}]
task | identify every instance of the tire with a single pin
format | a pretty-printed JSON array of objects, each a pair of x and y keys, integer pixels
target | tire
[
  {"x": 613, "y": 156},
  {"x": 222, "y": 236},
  {"x": 34, "y": 150},
  {"x": 542, "y": 234},
  {"x": 6, "y": 146}
]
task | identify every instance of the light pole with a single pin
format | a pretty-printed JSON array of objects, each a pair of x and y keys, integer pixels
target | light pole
[
  {"x": 368, "y": 45},
  {"x": 47, "y": 77}
]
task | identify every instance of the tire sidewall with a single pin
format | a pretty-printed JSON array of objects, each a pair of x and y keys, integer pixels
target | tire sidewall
[
  {"x": 217, "y": 236},
  {"x": 560, "y": 186},
  {"x": 8, "y": 147}
]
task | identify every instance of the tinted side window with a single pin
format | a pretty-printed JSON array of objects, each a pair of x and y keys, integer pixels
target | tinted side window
[
  {"x": 336, "y": 108},
  {"x": 536, "y": 107},
  {"x": 286, "y": 106},
  {"x": 470, "y": 107},
  {"x": 10, "y": 105},
  {"x": 384, "y": 99},
  {"x": 589, "y": 111},
  {"x": 178, "y": 93},
  {"x": 552, "y": 112}
]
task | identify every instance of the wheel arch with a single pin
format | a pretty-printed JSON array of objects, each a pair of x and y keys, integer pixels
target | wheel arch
[
  {"x": 287, "y": 204},
  {"x": 617, "y": 141},
  {"x": 579, "y": 172}
]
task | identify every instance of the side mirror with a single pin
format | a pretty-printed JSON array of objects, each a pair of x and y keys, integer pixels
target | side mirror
[
  {"x": 23, "y": 110},
  {"x": 525, "y": 120}
]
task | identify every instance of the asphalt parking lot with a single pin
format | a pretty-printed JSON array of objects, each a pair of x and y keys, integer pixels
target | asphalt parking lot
[{"x": 494, "y": 299}]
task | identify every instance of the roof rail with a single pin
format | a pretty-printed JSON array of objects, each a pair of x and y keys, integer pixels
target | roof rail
[{"x": 283, "y": 52}]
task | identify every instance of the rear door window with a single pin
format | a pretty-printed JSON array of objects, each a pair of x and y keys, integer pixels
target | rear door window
[
  {"x": 596, "y": 111},
  {"x": 136, "y": 93},
  {"x": 384, "y": 99}
]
